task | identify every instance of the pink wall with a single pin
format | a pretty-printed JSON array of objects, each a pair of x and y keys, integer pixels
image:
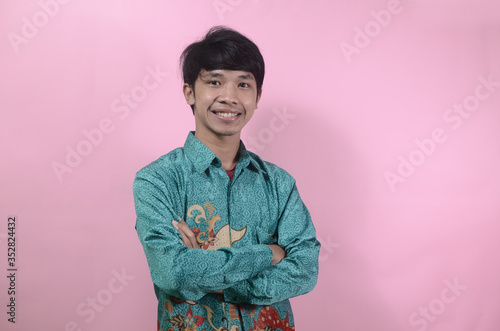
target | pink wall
[{"x": 386, "y": 112}]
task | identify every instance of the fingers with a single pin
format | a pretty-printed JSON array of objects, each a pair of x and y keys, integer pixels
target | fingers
[
  {"x": 278, "y": 253},
  {"x": 186, "y": 230},
  {"x": 185, "y": 239},
  {"x": 188, "y": 237}
]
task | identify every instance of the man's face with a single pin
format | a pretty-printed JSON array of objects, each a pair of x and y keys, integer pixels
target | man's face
[{"x": 223, "y": 100}]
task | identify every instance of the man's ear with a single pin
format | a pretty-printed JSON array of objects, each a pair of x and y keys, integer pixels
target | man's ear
[
  {"x": 258, "y": 99},
  {"x": 188, "y": 92}
]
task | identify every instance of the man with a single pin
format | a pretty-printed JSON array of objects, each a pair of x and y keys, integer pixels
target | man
[{"x": 227, "y": 237}]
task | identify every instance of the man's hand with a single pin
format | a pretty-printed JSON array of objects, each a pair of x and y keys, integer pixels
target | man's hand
[
  {"x": 188, "y": 237},
  {"x": 278, "y": 253}
]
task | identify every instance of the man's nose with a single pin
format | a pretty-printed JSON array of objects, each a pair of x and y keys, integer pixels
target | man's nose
[{"x": 229, "y": 94}]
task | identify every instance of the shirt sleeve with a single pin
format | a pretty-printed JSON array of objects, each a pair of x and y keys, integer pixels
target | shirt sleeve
[
  {"x": 185, "y": 273},
  {"x": 297, "y": 273}
]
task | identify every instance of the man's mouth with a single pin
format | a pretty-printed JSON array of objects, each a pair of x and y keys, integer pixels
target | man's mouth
[
  {"x": 226, "y": 113},
  {"x": 222, "y": 114}
]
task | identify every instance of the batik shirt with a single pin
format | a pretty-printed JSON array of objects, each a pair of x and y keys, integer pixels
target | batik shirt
[{"x": 233, "y": 221}]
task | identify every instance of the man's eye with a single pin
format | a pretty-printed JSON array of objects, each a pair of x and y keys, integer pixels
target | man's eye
[
  {"x": 214, "y": 82},
  {"x": 244, "y": 85}
]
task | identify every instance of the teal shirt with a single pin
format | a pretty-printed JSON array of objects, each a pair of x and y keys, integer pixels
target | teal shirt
[{"x": 234, "y": 221}]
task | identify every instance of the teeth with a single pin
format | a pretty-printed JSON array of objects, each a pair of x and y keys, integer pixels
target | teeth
[{"x": 227, "y": 114}]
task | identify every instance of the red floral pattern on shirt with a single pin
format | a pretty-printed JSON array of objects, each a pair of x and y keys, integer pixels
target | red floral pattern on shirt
[{"x": 270, "y": 320}]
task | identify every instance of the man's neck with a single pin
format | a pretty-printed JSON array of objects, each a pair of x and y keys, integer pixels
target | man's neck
[{"x": 224, "y": 147}]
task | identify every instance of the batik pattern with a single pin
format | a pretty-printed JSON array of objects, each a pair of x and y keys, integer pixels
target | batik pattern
[{"x": 234, "y": 221}]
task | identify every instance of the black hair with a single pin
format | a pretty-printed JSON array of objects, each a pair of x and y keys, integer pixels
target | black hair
[{"x": 222, "y": 48}]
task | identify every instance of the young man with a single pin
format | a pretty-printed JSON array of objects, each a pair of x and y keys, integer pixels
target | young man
[{"x": 227, "y": 237}]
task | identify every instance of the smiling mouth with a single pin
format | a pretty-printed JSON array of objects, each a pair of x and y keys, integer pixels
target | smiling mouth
[{"x": 226, "y": 114}]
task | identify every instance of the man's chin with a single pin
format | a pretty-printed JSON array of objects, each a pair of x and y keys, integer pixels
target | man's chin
[{"x": 227, "y": 134}]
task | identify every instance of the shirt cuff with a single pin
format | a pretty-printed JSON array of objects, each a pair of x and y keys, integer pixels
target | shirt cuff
[
  {"x": 238, "y": 293},
  {"x": 263, "y": 257}
]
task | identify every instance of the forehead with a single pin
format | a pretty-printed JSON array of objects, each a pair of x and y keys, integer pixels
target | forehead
[{"x": 225, "y": 73}]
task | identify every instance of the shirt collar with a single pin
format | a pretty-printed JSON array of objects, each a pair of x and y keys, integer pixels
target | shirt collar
[{"x": 202, "y": 157}]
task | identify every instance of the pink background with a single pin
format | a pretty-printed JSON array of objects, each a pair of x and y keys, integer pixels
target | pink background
[{"x": 378, "y": 108}]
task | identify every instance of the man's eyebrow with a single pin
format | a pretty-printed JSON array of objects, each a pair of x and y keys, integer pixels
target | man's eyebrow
[
  {"x": 245, "y": 76},
  {"x": 212, "y": 74},
  {"x": 215, "y": 74}
]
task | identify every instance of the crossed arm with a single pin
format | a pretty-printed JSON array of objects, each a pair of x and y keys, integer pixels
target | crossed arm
[
  {"x": 258, "y": 274},
  {"x": 189, "y": 240}
]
